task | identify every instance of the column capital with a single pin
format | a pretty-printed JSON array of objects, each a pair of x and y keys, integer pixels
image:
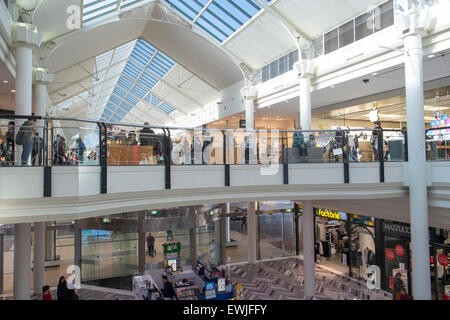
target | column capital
[
  {"x": 24, "y": 34},
  {"x": 249, "y": 92},
  {"x": 42, "y": 76},
  {"x": 304, "y": 68}
]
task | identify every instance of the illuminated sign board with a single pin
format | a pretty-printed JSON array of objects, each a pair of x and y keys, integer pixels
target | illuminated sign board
[{"x": 334, "y": 215}]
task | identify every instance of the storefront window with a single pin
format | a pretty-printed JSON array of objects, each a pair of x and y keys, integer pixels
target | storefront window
[{"x": 107, "y": 254}]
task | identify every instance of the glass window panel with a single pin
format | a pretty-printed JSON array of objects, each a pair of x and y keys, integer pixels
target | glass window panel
[
  {"x": 363, "y": 25},
  {"x": 283, "y": 64},
  {"x": 265, "y": 73},
  {"x": 346, "y": 34},
  {"x": 274, "y": 69},
  {"x": 293, "y": 58},
  {"x": 384, "y": 16},
  {"x": 331, "y": 41},
  {"x": 114, "y": 99}
]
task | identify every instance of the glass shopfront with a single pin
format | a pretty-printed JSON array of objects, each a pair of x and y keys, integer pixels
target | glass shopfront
[
  {"x": 345, "y": 242},
  {"x": 108, "y": 254}
]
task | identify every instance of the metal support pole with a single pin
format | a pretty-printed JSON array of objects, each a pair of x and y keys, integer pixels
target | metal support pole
[
  {"x": 22, "y": 261},
  {"x": 141, "y": 243}
]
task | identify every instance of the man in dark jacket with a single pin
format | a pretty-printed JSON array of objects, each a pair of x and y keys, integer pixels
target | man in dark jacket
[
  {"x": 25, "y": 138},
  {"x": 147, "y": 136},
  {"x": 168, "y": 291}
]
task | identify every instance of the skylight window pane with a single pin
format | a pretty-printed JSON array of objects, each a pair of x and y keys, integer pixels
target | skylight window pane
[
  {"x": 125, "y": 83},
  {"x": 211, "y": 29},
  {"x": 121, "y": 113},
  {"x": 147, "y": 80},
  {"x": 114, "y": 99},
  {"x": 119, "y": 92},
  {"x": 116, "y": 118},
  {"x": 189, "y": 8},
  {"x": 132, "y": 70},
  {"x": 138, "y": 92},
  {"x": 166, "y": 108},
  {"x": 126, "y": 106},
  {"x": 127, "y": 3},
  {"x": 131, "y": 99},
  {"x": 97, "y": 9}
]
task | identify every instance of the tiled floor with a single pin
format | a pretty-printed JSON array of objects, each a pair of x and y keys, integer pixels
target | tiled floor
[{"x": 283, "y": 280}]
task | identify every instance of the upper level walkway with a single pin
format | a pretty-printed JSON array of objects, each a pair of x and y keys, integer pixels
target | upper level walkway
[{"x": 78, "y": 168}]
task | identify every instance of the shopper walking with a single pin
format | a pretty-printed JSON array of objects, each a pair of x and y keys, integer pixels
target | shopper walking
[
  {"x": 46, "y": 295},
  {"x": 81, "y": 150},
  {"x": 61, "y": 290},
  {"x": 24, "y": 138},
  {"x": 398, "y": 286},
  {"x": 71, "y": 294},
  {"x": 376, "y": 141},
  {"x": 150, "y": 244},
  {"x": 168, "y": 291}
]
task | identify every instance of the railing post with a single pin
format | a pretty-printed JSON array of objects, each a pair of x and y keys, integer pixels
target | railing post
[
  {"x": 381, "y": 154},
  {"x": 405, "y": 135},
  {"x": 345, "y": 157},
  {"x": 226, "y": 165},
  {"x": 103, "y": 158},
  {"x": 47, "y": 162},
  {"x": 168, "y": 159},
  {"x": 285, "y": 158}
]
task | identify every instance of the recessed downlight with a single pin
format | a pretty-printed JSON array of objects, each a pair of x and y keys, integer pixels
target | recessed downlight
[
  {"x": 431, "y": 55},
  {"x": 5, "y": 81},
  {"x": 13, "y": 91}
]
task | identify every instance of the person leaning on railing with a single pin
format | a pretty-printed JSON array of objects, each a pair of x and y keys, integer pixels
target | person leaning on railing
[
  {"x": 299, "y": 143},
  {"x": 10, "y": 144},
  {"x": 24, "y": 138}
]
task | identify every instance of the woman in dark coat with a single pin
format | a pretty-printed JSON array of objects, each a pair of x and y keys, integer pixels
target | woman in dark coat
[{"x": 62, "y": 288}]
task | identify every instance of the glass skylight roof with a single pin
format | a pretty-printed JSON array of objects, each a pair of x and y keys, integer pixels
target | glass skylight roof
[
  {"x": 94, "y": 9},
  {"x": 143, "y": 70},
  {"x": 221, "y": 18}
]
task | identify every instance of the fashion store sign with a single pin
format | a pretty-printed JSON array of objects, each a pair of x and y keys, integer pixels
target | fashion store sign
[
  {"x": 397, "y": 228},
  {"x": 332, "y": 214}
]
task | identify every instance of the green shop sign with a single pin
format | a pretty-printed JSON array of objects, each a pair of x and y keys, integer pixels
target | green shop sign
[{"x": 172, "y": 247}]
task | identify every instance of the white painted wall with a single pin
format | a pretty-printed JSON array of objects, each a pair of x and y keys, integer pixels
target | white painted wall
[
  {"x": 317, "y": 173},
  {"x": 186, "y": 177},
  {"x": 135, "y": 178},
  {"x": 21, "y": 183},
  {"x": 250, "y": 175}
]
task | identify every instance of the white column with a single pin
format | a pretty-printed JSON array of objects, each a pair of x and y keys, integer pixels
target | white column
[
  {"x": 417, "y": 162},
  {"x": 23, "y": 95},
  {"x": 39, "y": 257},
  {"x": 22, "y": 261},
  {"x": 305, "y": 70},
  {"x": 249, "y": 95},
  {"x": 251, "y": 232},
  {"x": 308, "y": 248},
  {"x": 25, "y": 37}
]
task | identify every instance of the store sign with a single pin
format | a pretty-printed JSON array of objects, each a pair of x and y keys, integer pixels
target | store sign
[
  {"x": 332, "y": 214},
  {"x": 172, "y": 247},
  {"x": 397, "y": 228},
  {"x": 443, "y": 260}
]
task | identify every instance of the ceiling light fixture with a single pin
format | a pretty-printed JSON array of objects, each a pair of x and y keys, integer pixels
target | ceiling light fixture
[
  {"x": 375, "y": 73},
  {"x": 431, "y": 56},
  {"x": 5, "y": 81},
  {"x": 13, "y": 91}
]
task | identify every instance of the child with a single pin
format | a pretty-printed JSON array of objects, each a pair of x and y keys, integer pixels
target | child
[{"x": 46, "y": 295}]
